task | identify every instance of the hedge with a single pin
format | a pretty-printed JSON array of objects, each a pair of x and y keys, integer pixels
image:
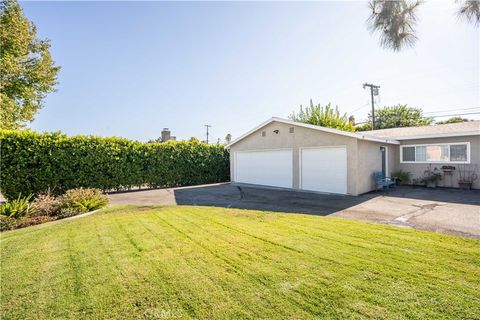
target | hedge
[{"x": 32, "y": 162}]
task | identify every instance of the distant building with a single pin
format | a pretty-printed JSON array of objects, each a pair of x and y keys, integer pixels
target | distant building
[{"x": 166, "y": 135}]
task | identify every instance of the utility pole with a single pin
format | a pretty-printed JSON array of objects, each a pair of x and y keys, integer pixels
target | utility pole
[
  {"x": 208, "y": 126},
  {"x": 373, "y": 92}
]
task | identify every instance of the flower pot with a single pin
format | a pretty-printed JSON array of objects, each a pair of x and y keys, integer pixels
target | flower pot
[{"x": 464, "y": 185}]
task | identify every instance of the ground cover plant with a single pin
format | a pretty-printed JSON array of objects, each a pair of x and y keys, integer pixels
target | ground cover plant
[
  {"x": 16, "y": 208},
  {"x": 216, "y": 263},
  {"x": 46, "y": 207}
]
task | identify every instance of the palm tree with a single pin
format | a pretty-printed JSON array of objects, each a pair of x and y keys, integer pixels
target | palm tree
[
  {"x": 470, "y": 10},
  {"x": 395, "y": 20}
]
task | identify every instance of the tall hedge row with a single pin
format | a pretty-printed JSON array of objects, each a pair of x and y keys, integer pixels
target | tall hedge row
[{"x": 32, "y": 162}]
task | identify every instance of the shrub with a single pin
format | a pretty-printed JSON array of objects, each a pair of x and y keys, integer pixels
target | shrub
[
  {"x": 34, "y": 162},
  {"x": 83, "y": 200},
  {"x": 17, "y": 208},
  {"x": 66, "y": 212},
  {"x": 431, "y": 176},
  {"x": 45, "y": 204},
  {"x": 31, "y": 221},
  {"x": 7, "y": 223},
  {"x": 402, "y": 176}
]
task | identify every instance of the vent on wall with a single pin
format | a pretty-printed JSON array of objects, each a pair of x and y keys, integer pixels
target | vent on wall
[
  {"x": 264, "y": 133},
  {"x": 292, "y": 129}
]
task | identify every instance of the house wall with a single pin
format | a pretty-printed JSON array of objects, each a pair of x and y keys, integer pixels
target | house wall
[
  {"x": 370, "y": 160},
  {"x": 417, "y": 169}
]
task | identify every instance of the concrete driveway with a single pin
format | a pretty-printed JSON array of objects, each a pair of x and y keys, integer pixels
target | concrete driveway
[{"x": 439, "y": 210}]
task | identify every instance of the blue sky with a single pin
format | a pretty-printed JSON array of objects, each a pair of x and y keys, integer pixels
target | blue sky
[{"x": 130, "y": 69}]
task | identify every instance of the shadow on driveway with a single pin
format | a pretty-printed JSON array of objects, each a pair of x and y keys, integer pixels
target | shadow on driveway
[
  {"x": 258, "y": 198},
  {"x": 267, "y": 199},
  {"x": 441, "y": 210}
]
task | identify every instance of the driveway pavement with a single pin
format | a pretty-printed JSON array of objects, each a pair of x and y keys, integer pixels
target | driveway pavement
[{"x": 439, "y": 210}]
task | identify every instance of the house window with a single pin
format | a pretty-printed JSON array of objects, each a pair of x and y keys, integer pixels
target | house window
[
  {"x": 408, "y": 154},
  {"x": 458, "y": 152},
  {"x": 291, "y": 130},
  {"x": 264, "y": 133},
  {"x": 436, "y": 153}
]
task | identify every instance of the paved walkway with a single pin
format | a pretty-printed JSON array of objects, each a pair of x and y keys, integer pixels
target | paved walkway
[{"x": 439, "y": 210}]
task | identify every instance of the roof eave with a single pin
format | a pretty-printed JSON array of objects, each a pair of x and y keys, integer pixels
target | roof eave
[
  {"x": 439, "y": 135},
  {"x": 314, "y": 127}
]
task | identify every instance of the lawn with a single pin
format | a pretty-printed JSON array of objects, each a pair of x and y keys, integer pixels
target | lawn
[{"x": 216, "y": 263}]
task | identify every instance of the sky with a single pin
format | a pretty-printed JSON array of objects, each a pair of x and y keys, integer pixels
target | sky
[{"x": 131, "y": 69}]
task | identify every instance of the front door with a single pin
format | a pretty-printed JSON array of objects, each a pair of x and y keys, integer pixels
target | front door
[{"x": 384, "y": 151}]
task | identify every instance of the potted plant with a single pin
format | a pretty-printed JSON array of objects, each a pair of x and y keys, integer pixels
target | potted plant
[
  {"x": 402, "y": 177},
  {"x": 467, "y": 175},
  {"x": 431, "y": 177}
]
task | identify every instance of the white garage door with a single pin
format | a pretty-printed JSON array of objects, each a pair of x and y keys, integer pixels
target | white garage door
[
  {"x": 269, "y": 167},
  {"x": 324, "y": 169}
]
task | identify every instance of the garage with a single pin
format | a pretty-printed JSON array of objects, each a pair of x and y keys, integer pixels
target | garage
[
  {"x": 324, "y": 169},
  {"x": 302, "y": 156},
  {"x": 265, "y": 167}
]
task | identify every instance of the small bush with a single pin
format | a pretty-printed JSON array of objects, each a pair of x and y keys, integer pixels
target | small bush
[
  {"x": 83, "y": 200},
  {"x": 402, "y": 176},
  {"x": 66, "y": 212},
  {"x": 16, "y": 208},
  {"x": 45, "y": 204},
  {"x": 31, "y": 221},
  {"x": 7, "y": 223},
  {"x": 46, "y": 207}
]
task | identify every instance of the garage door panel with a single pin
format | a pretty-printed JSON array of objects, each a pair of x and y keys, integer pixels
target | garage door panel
[
  {"x": 269, "y": 167},
  {"x": 324, "y": 169}
]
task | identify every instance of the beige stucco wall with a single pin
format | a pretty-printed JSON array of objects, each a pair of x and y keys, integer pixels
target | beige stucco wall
[
  {"x": 417, "y": 169},
  {"x": 302, "y": 137},
  {"x": 370, "y": 160},
  {"x": 357, "y": 167}
]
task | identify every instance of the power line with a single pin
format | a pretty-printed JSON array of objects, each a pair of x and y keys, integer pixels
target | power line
[
  {"x": 437, "y": 92},
  {"x": 450, "y": 110},
  {"x": 439, "y": 116},
  {"x": 455, "y": 114},
  {"x": 430, "y": 112},
  {"x": 365, "y": 105}
]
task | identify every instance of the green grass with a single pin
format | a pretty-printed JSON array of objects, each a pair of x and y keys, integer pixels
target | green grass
[{"x": 215, "y": 263}]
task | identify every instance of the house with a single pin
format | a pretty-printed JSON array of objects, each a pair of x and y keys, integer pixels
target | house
[{"x": 288, "y": 154}]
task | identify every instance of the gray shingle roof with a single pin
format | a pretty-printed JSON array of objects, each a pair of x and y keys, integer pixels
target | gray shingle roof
[{"x": 432, "y": 130}]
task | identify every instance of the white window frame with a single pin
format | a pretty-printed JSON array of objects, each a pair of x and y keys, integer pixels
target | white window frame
[{"x": 436, "y": 144}]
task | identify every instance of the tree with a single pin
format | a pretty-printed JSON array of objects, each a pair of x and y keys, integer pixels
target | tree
[
  {"x": 396, "y": 116},
  {"x": 323, "y": 116},
  {"x": 453, "y": 120},
  {"x": 395, "y": 20},
  {"x": 470, "y": 10},
  {"x": 27, "y": 71}
]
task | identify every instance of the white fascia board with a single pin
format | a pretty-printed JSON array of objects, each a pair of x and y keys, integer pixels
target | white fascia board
[
  {"x": 440, "y": 135},
  {"x": 314, "y": 127}
]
